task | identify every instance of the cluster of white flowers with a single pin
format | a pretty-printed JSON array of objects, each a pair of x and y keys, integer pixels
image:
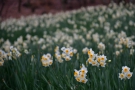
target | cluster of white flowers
[
  {"x": 126, "y": 74},
  {"x": 101, "y": 46},
  {"x": 14, "y": 53},
  {"x": 3, "y": 56},
  {"x": 67, "y": 53},
  {"x": 123, "y": 41},
  {"x": 80, "y": 75},
  {"x": 6, "y": 45},
  {"x": 95, "y": 59},
  {"x": 58, "y": 55},
  {"x": 85, "y": 50},
  {"x": 126, "y": 41},
  {"x": 46, "y": 60}
]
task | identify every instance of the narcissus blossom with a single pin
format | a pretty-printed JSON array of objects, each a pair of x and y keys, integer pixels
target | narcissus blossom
[
  {"x": 95, "y": 59},
  {"x": 46, "y": 60},
  {"x": 126, "y": 74},
  {"x": 80, "y": 75}
]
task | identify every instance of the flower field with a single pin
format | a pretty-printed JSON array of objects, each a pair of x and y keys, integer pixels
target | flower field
[{"x": 90, "y": 48}]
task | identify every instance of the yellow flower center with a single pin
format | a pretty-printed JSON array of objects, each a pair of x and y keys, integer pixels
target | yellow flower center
[
  {"x": 101, "y": 63},
  {"x": 125, "y": 70},
  {"x": 50, "y": 63},
  {"x": 44, "y": 58},
  {"x": 102, "y": 58},
  {"x": 89, "y": 52},
  {"x": 91, "y": 55},
  {"x": 83, "y": 71},
  {"x": 122, "y": 75},
  {"x": 98, "y": 59},
  {"x": 75, "y": 73},
  {"x": 82, "y": 75},
  {"x": 93, "y": 62},
  {"x": 78, "y": 79},
  {"x": 71, "y": 54},
  {"x": 67, "y": 59},
  {"x": 89, "y": 60},
  {"x": 67, "y": 51},
  {"x": 129, "y": 75},
  {"x": 83, "y": 81}
]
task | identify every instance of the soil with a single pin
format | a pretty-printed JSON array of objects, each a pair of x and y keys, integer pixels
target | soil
[{"x": 18, "y": 8}]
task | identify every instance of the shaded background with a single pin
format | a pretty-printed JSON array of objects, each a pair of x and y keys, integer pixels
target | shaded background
[{"x": 18, "y": 8}]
